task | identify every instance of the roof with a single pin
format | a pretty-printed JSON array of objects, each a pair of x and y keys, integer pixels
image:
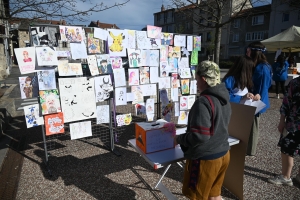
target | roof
[
  {"x": 253, "y": 11},
  {"x": 103, "y": 25},
  {"x": 24, "y": 23}
]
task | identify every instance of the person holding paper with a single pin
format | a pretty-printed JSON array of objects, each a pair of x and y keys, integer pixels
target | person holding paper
[
  {"x": 205, "y": 143},
  {"x": 280, "y": 74},
  {"x": 238, "y": 79},
  {"x": 289, "y": 143},
  {"x": 261, "y": 83}
]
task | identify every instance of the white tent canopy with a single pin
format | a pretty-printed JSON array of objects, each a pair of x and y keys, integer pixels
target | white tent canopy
[{"x": 287, "y": 41}]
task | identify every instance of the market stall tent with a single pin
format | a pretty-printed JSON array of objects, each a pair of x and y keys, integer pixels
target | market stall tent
[{"x": 287, "y": 41}]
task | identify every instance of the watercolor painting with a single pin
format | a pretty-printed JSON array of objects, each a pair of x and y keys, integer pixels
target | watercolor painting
[
  {"x": 92, "y": 63},
  {"x": 103, "y": 87},
  {"x": 133, "y": 75},
  {"x": 131, "y": 39},
  {"x": 124, "y": 119},
  {"x": 93, "y": 44},
  {"x": 32, "y": 117},
  {"x": 117, "y": 42},
  {"x": 103, "y": 114},
  {"x": 116, "y": 62},
  {"x": 197, "y": 43},
  {"x": 120, "y": 96},
  {"x": 153, "y": 32},
  {"x": 134, "y": 57},
  {"x": 46, "y": 56},
  {"x": 80, "y": 130},
  {"x": 46, "y": 79},
  {"x": 144, "y": 75},
  {"x": 26, "y": 59},
  {"x": 49, "y": 100},
  {"x": 54, "y": 124},
  {"x": 183, "y": 103},
  {"x": 138, "y": 96},
  {"x": 166, "y": 38},
  {"x": 185, "y": 89},
  {"x": 29, "y": 87},
  {"x": 71, "y": 33},
  {"x": 164, "y": 52},
  {"x": 180, "y": 40}
]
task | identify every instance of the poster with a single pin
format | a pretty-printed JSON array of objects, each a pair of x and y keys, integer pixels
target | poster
[
  {"x": 134, "y": 57},
  {"x": 124, "y": 119},
  {"x": 103, "y": 87},
  {"x": 32, "y": 117},
  {"x": 167, "y": 39},
  {"x": 80, "y": 130},
  {"x": 120, "y": 96},
  {"x": 46, "y": 56},
  {"x": 54, "y": 124},
  {"x": 92, "y": 63},
  {"x": 103, "y": 114},
  {"x": 93, "y": 44},
  {"x": 71, "y": 33},
  {"x": 26, "y": 59},
  {"x": 49, "y": 100},
  {"x": 29, "y": 87},
  {"x": 117, "y": 42},
  {"x": 46, "y": 80}
]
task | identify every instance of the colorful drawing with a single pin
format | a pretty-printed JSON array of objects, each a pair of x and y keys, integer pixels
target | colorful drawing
[
  {"x": 184, "y": 73},
  {"x": 150, "y": 106},
  {"x": 46, "y": 80},
  {"x": 131, "y": 39},
  {"x": 54, "y": 124},
  {"x": 29, "y": 87},
  {"x": 194, "y": 57},
  {"x": 180, "y": 40},
  {"x": 173, "y": 64},
  {"x": 197, "y": 43},
  {"x": 164, "y": 69},
  {"x": 166, "y": 38},
  {"x": 164, "y": 53},
  {"x": 174, "y": 52},
  {"x": 32, "y": 117},
  {"x": 133, "y": 75},
  {"x": 175, "y": 81},
  {"x": 183, "y": 117},
  {"x": 103, "y": 87},
  {"x": 92, "y": 62},
  {"x": 144, "y": 75},
  {"x": 134, "y": 57},
  {"x": 138, "y": 96},
  {"x": 71, "y": 33},
  {"x": 153, "y": 31},
  {"x": 116, "y": 62},
  {"x": 120, "y": 96},
  {"x": 117, "y": 42},
  {"x": 103, "y": 114},
  {"x": 154, "y": 58},
  {"x": 26, "y": 59},
  {"x": 49, "y": 100},
  {"x": 46, "y": 56},
  {"x": 104, "y": 64},
  {"x": 185, "y": 86},
  {"x": 143, "y": 42},
  {"x": 93, "y": 44},
  {"x": 123, "y": 119},
  {"x": 80, "y": 130},
  {"x": 183, "y": 103}
]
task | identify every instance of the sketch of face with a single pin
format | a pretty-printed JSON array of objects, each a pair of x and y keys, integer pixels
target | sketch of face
[
  {"x": 50, "y": 101},
  {"x": 25, "y": 54}
]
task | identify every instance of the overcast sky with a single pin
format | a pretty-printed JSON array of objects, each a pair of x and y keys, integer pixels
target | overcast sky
[{"x": 135, "y": 15}]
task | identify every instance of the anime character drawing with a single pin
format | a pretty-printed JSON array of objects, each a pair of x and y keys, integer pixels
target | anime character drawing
[
  {"x": 134, "y": 59},
  {"x": 105, "y": 68},
  {"x": 49, "y": 100},
  {"x": 167, "y": 39},
  {"x": 117, "y": 42},
  {"x": 185, "y": 87},
  {"x": 47, "y": 79},
  {"x": 197, "y": 43},
  {"x": 31, "y": 117},
  {"x": 116, "y": 62},
  {"x": 26, "y": 57},
  {"x": 27, "y": 89}
]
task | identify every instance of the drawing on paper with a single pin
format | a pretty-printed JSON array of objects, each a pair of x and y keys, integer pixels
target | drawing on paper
[
  {"x": 78, "y": 50},
  {"x": 54, "y": 124},
  {"x": 149, "y": 90},
  {"x": 46, "y": 56},
  {"x": 154, "y": 58},
  {"x": 117, "y": 42},
  {"x": 80, "y": 130},
  {"x": 174, "y": 94},
  {"x": 123, "y": 119},
  {"x": 103, "y": 87},
  {"x": 193, "y": 70},
  {"x": 104, "y": 64},
  {"x": 29, "y": 87},
  {"x": 191, "y": 101},
  {"x": 193, "y": 87},
  {"x": 184, "y": 73},
  {"x": 173, "y": 64},
  {"x": 119, "y": 74},
  {"x": 144, "y": 75},
  {"x": 183, "y": 117},
  {"x": 74, "y": 69},
  {"x": 92, "y": 62},
  {"x": 26, "y": 59},
  {"x": 103, "y": 114},
  {"x": 150, "y": 106},
  {"x": 183, "y": 103},
  {"x": 167, "y": 39},
  {"x": 46, "y": 80},
  {"x": 133, "y": 75},
  {"x": 32, "y": 117},
  {"x": 120, "y": 96},
  {"x": 175, "y": 81},
  {"x": 180, "y": 40},
  {"x": 140, "y": 109},
  {"x": 183, "y": 62},
  {"x": 153, "y": 31},
  {"x": 138, "y": 96},
  {"x": 164, "y": 82},
  {"x": 145, "y": 57},
  {"x": 143, "y": 42},
  {"x": 164, "y": 69},
  {"x": 131, "y": 39},
  {"x": 116, "y": 62},
  {"x": 134, "y": 58},
  {"x": 174, "y": 52},
  {"x": 185, "y": 86},
  {"x": 197, "y": 43},
  {"x": 71, "y": 33},
  {"x": 164, "y": 53},
  {"x": 49, "y": 100},
  {"x": 93, "y": 44}
]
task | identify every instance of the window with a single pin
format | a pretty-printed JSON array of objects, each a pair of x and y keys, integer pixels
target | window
[
  {"x": 201, "y": 21},
  {"x": 257, "y": 20},
  {"x": 236, "y": 23},
  {"x": 236, "y": 37},
  {"x": 209, "y": 22},
  {"x": 165, "y": 17},
  {"x": 158, "y": 17},
  {"x": 285, "y": 17},
  {"x": 255, "y": 36},
  {"x": 208, "y": 37},
  {"x": 248, "y": 37}
]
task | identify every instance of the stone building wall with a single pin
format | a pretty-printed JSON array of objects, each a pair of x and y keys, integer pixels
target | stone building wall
[
  {"x": 3, "y": 62},
  {"x": 23, "y": 36}
]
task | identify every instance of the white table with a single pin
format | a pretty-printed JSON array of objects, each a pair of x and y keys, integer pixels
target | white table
[{"x": 166, "y": 158}]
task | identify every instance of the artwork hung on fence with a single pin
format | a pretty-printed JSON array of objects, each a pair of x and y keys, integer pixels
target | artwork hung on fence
[
  {"x": 120, "y": 96},
  {"x": 54, "y": 124},
  {"x": 164, "y": 53},
  {"x": 193, "y": 87},
  {"x": 46, "y": 56},
  {"x": 145, "y": 57},
  {"x": 174, "y": 52},
  {"x": 183, "y": 103},
  {"x": 144, "y": 75},
  {"x": 103, "y": 114},
  {"x": 46, "y": 80},
  {"x": 176, "y": 109},
  {"x": 44, "y": 35},
  {"x": 134, "y": 57},
  {"x": 183, "y": 62},
  {"x": 150, "y": 109},
  {"x": 185, "y": 52},
  {"x": 104, "y": 64},
  {"x": 197, "y": 43},
  {"x": 117, "y": 42},
  {"x": 71, "y": 33},
  {"x": 77, "y": 98},
  {"x": 138, "y": 96},
  {"x": 103, "y": 87},
  {"x": 26, "y": 59},
  {"x": 153, "y": 32},
  {"x": 190, "y": 40},
  {"x": 100, "y": 33},
  {"x": 164, "y": 69},
  {"x": 78, "y": 50},
  {"x": 29, "y": 87},
  {"x": 74, "y": 69},
  {"x": 133, "y": 77},
  {"x": 193, "y": 70},
  {"x": 140, "y": 109},
  {"x": 154, "y": 74},
  {"x": 173, "y": 64},
  {"x": 184, "y": 73},
  {"x": 93, "y": 44},
  {"x": 191, "y": 101},
  {"x": 32, "y": 117},
  {"x": 49, "y": 100},
  {"x": 166, "y": 38},
  {"x": 174, "y": 94},
  {"x": 183, "y": 117},
  {"x": 164, "y": 82},
  {"x": 80, "y": 130},
  {"x": 131, "y": 39},
  {"x": 63, "y": 54},
  {"x": 185, "y": 89},
  {"x": 119, "y": 76},
  {"x": 154, "y": 58},
  {"x": 124, "y": 119},
  {"x": 175, "y": 80},
  {"x": 92, "y": 62},
  {"x": 149, "y": 90},
  {"x": 194, "y": 57},
  {"x": 143, "y": 42},
  {"x": 180, "y": 40},
  {"x": 116, "y": 62}
]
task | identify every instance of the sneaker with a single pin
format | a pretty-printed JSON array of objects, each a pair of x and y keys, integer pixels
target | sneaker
[
  {"x": 279, "y": 180},
  {"x": 278, "y": 97},
  {"x": 297, "y": 179}
]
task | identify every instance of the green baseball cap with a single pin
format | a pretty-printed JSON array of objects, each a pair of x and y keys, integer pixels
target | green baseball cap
[{"x": 211, "y": 71}]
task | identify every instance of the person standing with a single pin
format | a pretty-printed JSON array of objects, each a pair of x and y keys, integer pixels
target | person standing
[
  {"x": 205, "y": 143},
  {"x": 262, "y": 81},
  {"x": 290, "y": 142},
  {"x": 280, "y": 74}
]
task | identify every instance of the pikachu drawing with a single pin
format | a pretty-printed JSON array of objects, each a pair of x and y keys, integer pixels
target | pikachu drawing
[{"x": 117, "y": 42}]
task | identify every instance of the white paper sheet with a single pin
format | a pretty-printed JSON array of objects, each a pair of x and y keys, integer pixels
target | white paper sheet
[
  {"x": 258, "y": 104},
  {"x": 46, "y": 56},
  {"x": 164, "y": 82},
  {"x": 130, "y": 96},
  {"x": 120, "y": 96},
  {"x": 174, "y": 94},
  {"x": 183, "y": 62},
  {"x": 103, "y": 114},
  {"x": 46, "y": 80},
  {"x": 193, "y": 87},
  {"x": 190, "y": 43},
  {"x": 149, "y": 90},
  {"x": 80, "y": 130},
  {"x": 100, "y": 33},
  {"x": 154, "y": 78},
  {"x": 180, "y": 40},
  {"x": 92, "y": 63},
  {"x": 32, "y": 117},
  {"x": 78, "y": 50},
  {"x": 183, "y": 117},
  {"x": 133, "y": 76},
  {"x": 191, "y": 101},
  {"x": 119, "y": 77},
  {"x": 183, "y": 103},
  {"x": 26, "y": 59},
  {"x": 103, "y": 87}
]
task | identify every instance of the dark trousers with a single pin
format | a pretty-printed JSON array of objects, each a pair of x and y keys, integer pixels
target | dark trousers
[{"x": 281, "y": 83}]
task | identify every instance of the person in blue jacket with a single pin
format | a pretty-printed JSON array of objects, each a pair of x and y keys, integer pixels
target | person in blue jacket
[
  {"x": 238, "y": 79},
  {"x": 280, "y": 74},
  {"x": 262, "y": 80}
]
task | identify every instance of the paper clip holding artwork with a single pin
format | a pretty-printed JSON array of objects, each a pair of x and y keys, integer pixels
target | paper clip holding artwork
[
  {"x": 54, "y": 124},
  {"x": 32, "y": 117},
  {"x": 49, "y": 100}
]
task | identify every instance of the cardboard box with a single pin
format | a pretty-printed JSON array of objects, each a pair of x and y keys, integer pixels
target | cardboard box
[{"x": 151, "y": 137}]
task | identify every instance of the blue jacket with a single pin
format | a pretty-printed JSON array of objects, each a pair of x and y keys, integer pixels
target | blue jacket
[
  {"x": 262, "y": 82},
  {"x": 280, "y": 74},
  {"x": 229, "y": 84}
]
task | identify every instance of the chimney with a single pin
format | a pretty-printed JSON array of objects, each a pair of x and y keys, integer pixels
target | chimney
[{"x": 162, "y": 8}]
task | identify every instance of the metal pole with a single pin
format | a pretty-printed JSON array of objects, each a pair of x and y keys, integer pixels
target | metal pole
[{"x": 111, "y": 132}]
